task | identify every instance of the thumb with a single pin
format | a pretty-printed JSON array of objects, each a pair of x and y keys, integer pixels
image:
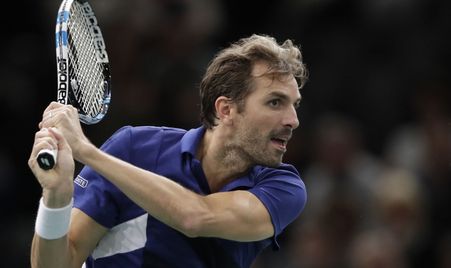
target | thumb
[{"x": 62, "y": 142}]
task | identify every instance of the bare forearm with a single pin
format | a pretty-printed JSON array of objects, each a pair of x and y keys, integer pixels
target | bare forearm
[{"x": 50, "y": 253}]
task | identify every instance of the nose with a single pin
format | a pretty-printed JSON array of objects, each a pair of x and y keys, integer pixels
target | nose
[{"x": 291, "y": 118}]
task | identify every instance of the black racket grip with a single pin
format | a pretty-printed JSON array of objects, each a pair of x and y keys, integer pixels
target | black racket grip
[{"x": 47, "y": 158}]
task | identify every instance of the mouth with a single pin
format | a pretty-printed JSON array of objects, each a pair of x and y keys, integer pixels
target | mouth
[
  {"x": 280, "y": 143},
  {"x": 280, "y": 139}
]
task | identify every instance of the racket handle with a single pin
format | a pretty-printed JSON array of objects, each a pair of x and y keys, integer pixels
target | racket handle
[{"x": 47, "y": 158}]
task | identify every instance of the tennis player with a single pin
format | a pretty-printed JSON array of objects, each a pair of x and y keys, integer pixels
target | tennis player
[{"x": 213, "y": 196}]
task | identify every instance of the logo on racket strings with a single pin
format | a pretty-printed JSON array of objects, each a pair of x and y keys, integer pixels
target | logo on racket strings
[{"x": 96, "y": 34}]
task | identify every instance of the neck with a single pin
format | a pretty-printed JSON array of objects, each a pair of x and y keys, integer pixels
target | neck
[{"x": 220, "y": 160}]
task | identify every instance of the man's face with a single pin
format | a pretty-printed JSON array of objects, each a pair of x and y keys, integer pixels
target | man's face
[{"x": 269, "y": 116}]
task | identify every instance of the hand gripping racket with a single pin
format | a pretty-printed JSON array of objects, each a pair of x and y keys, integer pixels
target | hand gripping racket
[{"x": 83, "y": 73}]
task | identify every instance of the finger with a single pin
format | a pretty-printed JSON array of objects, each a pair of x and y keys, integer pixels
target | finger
[
  {"x": 41, "y": 143},
  {"x": 47, "y": 121},
  {"x": 45, "y": 134},
  {"x": 47, "y": 118},
  {"x": 52, "y": 106},
  {"x": 52, "y": 111},
  {"x": 61, "y": 115},
  {"x": 51, "y": 115},
  {"x": 62, "y": 143},
  {"x": 44, "y": 140}
]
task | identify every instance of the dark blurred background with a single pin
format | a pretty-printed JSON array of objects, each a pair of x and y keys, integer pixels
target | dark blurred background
[{"x": 373, "y": 148}]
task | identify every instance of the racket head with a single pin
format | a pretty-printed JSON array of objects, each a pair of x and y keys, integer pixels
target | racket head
[{"x": 83, "y": 69}]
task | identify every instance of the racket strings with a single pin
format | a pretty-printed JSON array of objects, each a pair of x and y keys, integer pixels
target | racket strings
[{"x": 86, "y": 73}]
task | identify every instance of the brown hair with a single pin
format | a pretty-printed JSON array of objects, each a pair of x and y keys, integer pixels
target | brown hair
[{"x": 229, "y": 73}]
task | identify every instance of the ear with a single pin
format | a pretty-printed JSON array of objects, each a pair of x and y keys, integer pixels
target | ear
[{"x": 223, "y": 107}]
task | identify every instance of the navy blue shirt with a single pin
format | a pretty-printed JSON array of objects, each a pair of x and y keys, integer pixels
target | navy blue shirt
[{"x": 136, "y": 239}]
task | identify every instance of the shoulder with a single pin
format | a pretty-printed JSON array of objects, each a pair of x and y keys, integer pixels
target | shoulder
[
  {"x": 146, "y": 132},
  {"x": 131, "y": 136},
  {"x": 144, "y": 145},
  {"x": 282, "y": 191},
  {"x": 283, "y": 182},
  {"x": 285, "y": 172}
]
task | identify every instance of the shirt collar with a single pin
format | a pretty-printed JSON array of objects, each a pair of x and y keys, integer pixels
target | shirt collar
[{"x": 191, "y": 139}]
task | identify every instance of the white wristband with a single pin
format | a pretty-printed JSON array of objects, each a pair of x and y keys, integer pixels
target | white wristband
[{"x": 53, "y": 223}]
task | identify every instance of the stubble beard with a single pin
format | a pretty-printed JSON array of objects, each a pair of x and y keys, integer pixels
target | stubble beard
[{"x": 253, "y": 147}]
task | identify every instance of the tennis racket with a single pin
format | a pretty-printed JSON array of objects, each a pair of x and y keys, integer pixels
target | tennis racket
[{"x": 83, "y": 72}]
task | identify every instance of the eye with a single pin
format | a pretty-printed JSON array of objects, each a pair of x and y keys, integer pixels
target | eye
[{"x": 274, "y": 103}]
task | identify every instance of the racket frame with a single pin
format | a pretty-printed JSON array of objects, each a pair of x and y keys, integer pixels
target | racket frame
[{"x": 47, "y": 158}]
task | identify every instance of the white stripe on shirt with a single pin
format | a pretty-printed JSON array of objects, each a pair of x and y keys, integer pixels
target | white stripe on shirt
[{"x": 125, "y": 237}]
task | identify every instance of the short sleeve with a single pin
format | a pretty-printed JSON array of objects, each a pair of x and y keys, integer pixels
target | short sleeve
[
  {"x": 283, "y": 193},
  {"x": 99, "y": 198},
  {"x": 93, "y": 194}
]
